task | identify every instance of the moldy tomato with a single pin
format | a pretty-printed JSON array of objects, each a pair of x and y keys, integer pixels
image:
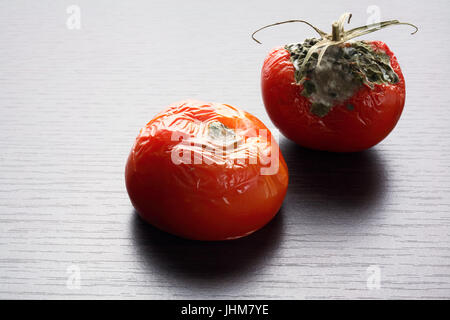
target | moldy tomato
[
  {"x": 331, "y": 94},
  {"x": 206, "y": 171}
]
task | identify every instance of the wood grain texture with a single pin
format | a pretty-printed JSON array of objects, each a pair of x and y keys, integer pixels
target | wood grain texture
[{"x": 72, "y": 102}]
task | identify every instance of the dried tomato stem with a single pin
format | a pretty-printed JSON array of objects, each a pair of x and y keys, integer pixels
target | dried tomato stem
[
  {"x": 320, "y": 32},
  {"x": 338, "y": 35}
]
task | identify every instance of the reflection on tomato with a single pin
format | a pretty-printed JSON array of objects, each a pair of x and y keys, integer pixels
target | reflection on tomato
[{"x": 206, "y": 171}]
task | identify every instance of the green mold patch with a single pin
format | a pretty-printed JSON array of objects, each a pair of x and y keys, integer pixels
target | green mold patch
[{"x": 342, "y": 70}]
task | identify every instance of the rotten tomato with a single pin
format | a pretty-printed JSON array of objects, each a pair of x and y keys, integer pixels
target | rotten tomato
[
  {"x": 206, "y": 171},
  {"x": 330, "y": 93}
]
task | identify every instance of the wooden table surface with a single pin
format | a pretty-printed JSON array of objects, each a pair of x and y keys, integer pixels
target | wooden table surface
[{"x": 73, "y": 100}]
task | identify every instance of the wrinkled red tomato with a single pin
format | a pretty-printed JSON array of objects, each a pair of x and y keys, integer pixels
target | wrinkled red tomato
[
  {"x": 342, "y": 96},
  {"x": 206, "y": 171}
]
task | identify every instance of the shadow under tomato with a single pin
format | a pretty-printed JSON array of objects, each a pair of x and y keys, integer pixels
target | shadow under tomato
[
  {"x": 212, "y": 263},
  {"x": 334, "y": 185}
]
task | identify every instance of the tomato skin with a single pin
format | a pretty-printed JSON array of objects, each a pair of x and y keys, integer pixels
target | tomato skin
[
  {"x": 376, "y": 111},
  {"x": 216, "y": 201}
]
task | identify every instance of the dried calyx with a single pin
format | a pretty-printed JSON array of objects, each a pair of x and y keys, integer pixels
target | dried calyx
[{"x": 331, "y": 69}]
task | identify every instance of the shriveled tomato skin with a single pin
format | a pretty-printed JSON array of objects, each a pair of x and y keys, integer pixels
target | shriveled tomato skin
[
  {"x": 376, "y": 111},
  {"x": 202, "y": 201}
]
